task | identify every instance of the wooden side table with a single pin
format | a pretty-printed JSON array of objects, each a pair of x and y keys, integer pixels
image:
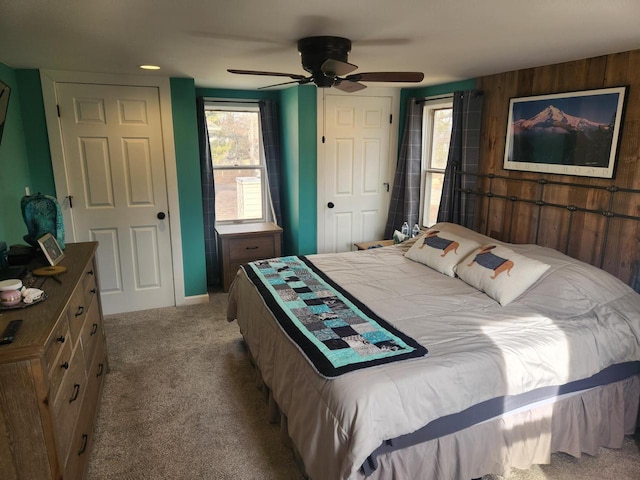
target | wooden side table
[
  {"x": 246, "y": 242},
  {"x": 374, "y": 244}
]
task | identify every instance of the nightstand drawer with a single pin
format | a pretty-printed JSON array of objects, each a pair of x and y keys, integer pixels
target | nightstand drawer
[
  {"x": 238, "y": 244},
  {"x": 251, "y": 248}
]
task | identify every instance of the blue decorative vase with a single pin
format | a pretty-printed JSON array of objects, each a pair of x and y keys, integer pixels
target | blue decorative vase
[{"x": 42, "y": 215}]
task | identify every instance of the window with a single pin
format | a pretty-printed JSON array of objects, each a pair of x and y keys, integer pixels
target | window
[
  {"x": 237, "y": 155},
  {"x": 436, "y": 135}
]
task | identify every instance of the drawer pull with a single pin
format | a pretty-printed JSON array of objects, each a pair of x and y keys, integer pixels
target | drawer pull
[
  {"x": 93, "y": 290},
  {"x": 94, "y": 329},
  {"x": 251, "y": 248},
  {"x": 76, "y": 392},
  {"x": 100, "y": 369},
  {"x": 60, "y": 339},
  {"x": 65, "y": 365},
  {"x": 83, "y": 448},
  {"x": 80, "y": 311}
]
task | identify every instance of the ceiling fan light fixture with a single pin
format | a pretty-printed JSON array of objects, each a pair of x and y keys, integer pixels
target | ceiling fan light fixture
[{"x": 325, "y": 59}]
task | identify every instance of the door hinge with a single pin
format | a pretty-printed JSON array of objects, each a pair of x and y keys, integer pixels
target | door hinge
[
  {"x": 391, "y": 118},
  {"x": 58, "y": 108},
  {"x": 323, "y": 138}
]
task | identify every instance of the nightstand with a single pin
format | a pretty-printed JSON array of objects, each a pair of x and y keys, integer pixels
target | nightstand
[
  {"x": 246, "y": 242},
  {"x": 374, "y": 244}
]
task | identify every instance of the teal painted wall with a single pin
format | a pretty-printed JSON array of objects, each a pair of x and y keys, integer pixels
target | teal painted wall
[
  {"x": 35, "y": 132},
  {"x": 185, "y": 129},
  {"x": 14, "y": 164},
  {"x": 290, "y": 169},
  {"x": 237, "y": 94},
  {"x": 299, "y": 151},
  {"x": 308, "y": 170}
]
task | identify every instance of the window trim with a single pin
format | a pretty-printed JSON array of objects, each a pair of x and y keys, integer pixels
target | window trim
[
  {"x": 246, "y": 106},
  {"x": 428, "y": 107}
]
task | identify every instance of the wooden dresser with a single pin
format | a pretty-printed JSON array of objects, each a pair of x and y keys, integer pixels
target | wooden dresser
[
  {"x": 51, "y": 376},
  {"x": 242, "y": 243}
]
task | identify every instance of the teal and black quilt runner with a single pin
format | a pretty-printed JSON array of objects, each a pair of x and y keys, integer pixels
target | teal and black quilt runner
[{"x": 336, "y": 332}]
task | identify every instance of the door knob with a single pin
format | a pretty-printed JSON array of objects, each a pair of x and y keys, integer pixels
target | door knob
[
  {"x": 161, "y": 215},
  {"x": 330, "y": 205}
]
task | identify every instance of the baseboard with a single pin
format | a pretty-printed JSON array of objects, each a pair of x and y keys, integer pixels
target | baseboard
[{"x": 196, "y": 299}]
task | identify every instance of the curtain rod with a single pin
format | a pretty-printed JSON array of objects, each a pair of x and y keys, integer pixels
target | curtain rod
[
  {"x": 475, "y": 93},
  {"x": 435, "y": 97},
  {"x": 226, "y": 100}
]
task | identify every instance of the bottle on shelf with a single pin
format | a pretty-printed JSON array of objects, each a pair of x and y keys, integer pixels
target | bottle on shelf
[
  {"x": 415, "y": 231},
  {"x": 405, "y": 229}
]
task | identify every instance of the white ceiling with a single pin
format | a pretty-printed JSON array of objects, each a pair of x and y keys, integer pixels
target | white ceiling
[{"x": 446, "y": 39}]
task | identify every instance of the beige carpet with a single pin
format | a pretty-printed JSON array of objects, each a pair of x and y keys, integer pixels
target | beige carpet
[{"x": 180, "y": 403}]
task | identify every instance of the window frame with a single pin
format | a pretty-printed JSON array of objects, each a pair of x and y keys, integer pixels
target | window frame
[
  {"x": 245, "y": 106},
  {"x": 426, "y": 169}
]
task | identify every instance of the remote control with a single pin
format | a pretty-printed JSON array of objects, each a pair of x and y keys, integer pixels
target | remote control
[{"x": 10, "y": 332}]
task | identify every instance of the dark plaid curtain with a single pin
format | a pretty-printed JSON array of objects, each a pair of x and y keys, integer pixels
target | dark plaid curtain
[
  {"x": 405, "y": 196},
  {"x": 208, "y": 197},
  {"x": 635, "y": 278},
  {"x": 464, "y": 151},
  {"x": 271, "y": 141}
]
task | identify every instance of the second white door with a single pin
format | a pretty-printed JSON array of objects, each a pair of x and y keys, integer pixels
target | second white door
[
  {"x": 354, "y": 197},
  {"x": 114, "y": 161}
]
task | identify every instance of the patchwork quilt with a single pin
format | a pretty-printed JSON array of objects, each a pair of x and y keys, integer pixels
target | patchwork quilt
[{"x": 336, "y": 333}]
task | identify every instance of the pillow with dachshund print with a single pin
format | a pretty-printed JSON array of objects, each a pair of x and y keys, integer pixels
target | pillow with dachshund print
[
  {"x": 499, "y": 272},
  {"x": 441, "y": 250}
]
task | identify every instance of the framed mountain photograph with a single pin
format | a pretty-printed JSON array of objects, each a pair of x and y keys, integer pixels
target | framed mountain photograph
[{"x": 575, "y": 133}]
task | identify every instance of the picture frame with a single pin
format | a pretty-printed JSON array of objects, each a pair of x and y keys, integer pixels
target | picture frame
[
  {"x": 51, "y": 249},
  {"x": 572, "y": 133}
]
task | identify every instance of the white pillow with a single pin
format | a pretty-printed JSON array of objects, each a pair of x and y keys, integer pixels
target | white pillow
[
  {"x": 441, "y": 250},
  {"x": 499, "y": 272}
]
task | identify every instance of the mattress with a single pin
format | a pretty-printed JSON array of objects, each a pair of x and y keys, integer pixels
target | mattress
[{"x": 573, "y": 323}]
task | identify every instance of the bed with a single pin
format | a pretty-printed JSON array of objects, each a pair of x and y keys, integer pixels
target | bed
[{"x": 556, "y": 368}]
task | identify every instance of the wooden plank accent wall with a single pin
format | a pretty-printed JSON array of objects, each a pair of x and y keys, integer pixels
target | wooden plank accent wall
[{"x": 516, "y": 221}]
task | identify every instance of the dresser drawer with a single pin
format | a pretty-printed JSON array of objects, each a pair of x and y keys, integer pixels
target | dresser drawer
[
  {"x": 91, "y": 334},
  {"x": 89, "y": 284},
  {"x": 82, "y": 438},
  {"x": 66, "y": 406},
  {"x": 251, "y": 248},
  {"x": 57, "y": 340},
  {"x": 81, "y": 443},
  {"x": 76, "y": 313},
  {"x": 59, "y": 368}
]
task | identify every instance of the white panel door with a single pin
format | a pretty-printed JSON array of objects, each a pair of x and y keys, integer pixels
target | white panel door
[
  {"x": 114, "y": 161},
  {"x": 356, "y": 161}
]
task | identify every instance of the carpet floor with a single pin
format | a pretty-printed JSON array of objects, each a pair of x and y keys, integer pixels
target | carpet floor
[{"x": 180, "y": 402}]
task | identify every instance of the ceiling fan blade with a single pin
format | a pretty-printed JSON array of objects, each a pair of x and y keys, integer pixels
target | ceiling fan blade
[
  {"x": 302, "y": 81},
  {"x": 337, "y": 68},
  {"x": 386, "y": 77},
  {"x": 293, "y": 76},
  {"x": 349, "y": 86}
]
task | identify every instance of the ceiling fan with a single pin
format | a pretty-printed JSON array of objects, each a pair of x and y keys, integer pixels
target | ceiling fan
[{"x": 325, "y": 58}]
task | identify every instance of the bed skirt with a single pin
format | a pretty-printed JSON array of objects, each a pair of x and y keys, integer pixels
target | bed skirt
[{"x": 576, "y": 423}]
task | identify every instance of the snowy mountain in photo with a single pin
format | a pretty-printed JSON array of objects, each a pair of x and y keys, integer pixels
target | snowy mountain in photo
[{"x": 552, "y": 119}]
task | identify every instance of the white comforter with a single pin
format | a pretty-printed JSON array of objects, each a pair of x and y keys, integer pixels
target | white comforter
[{"x": 575, "y": 321}]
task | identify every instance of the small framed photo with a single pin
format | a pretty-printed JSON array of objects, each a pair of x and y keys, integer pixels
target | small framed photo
[{"x": 51, "y": 248}]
